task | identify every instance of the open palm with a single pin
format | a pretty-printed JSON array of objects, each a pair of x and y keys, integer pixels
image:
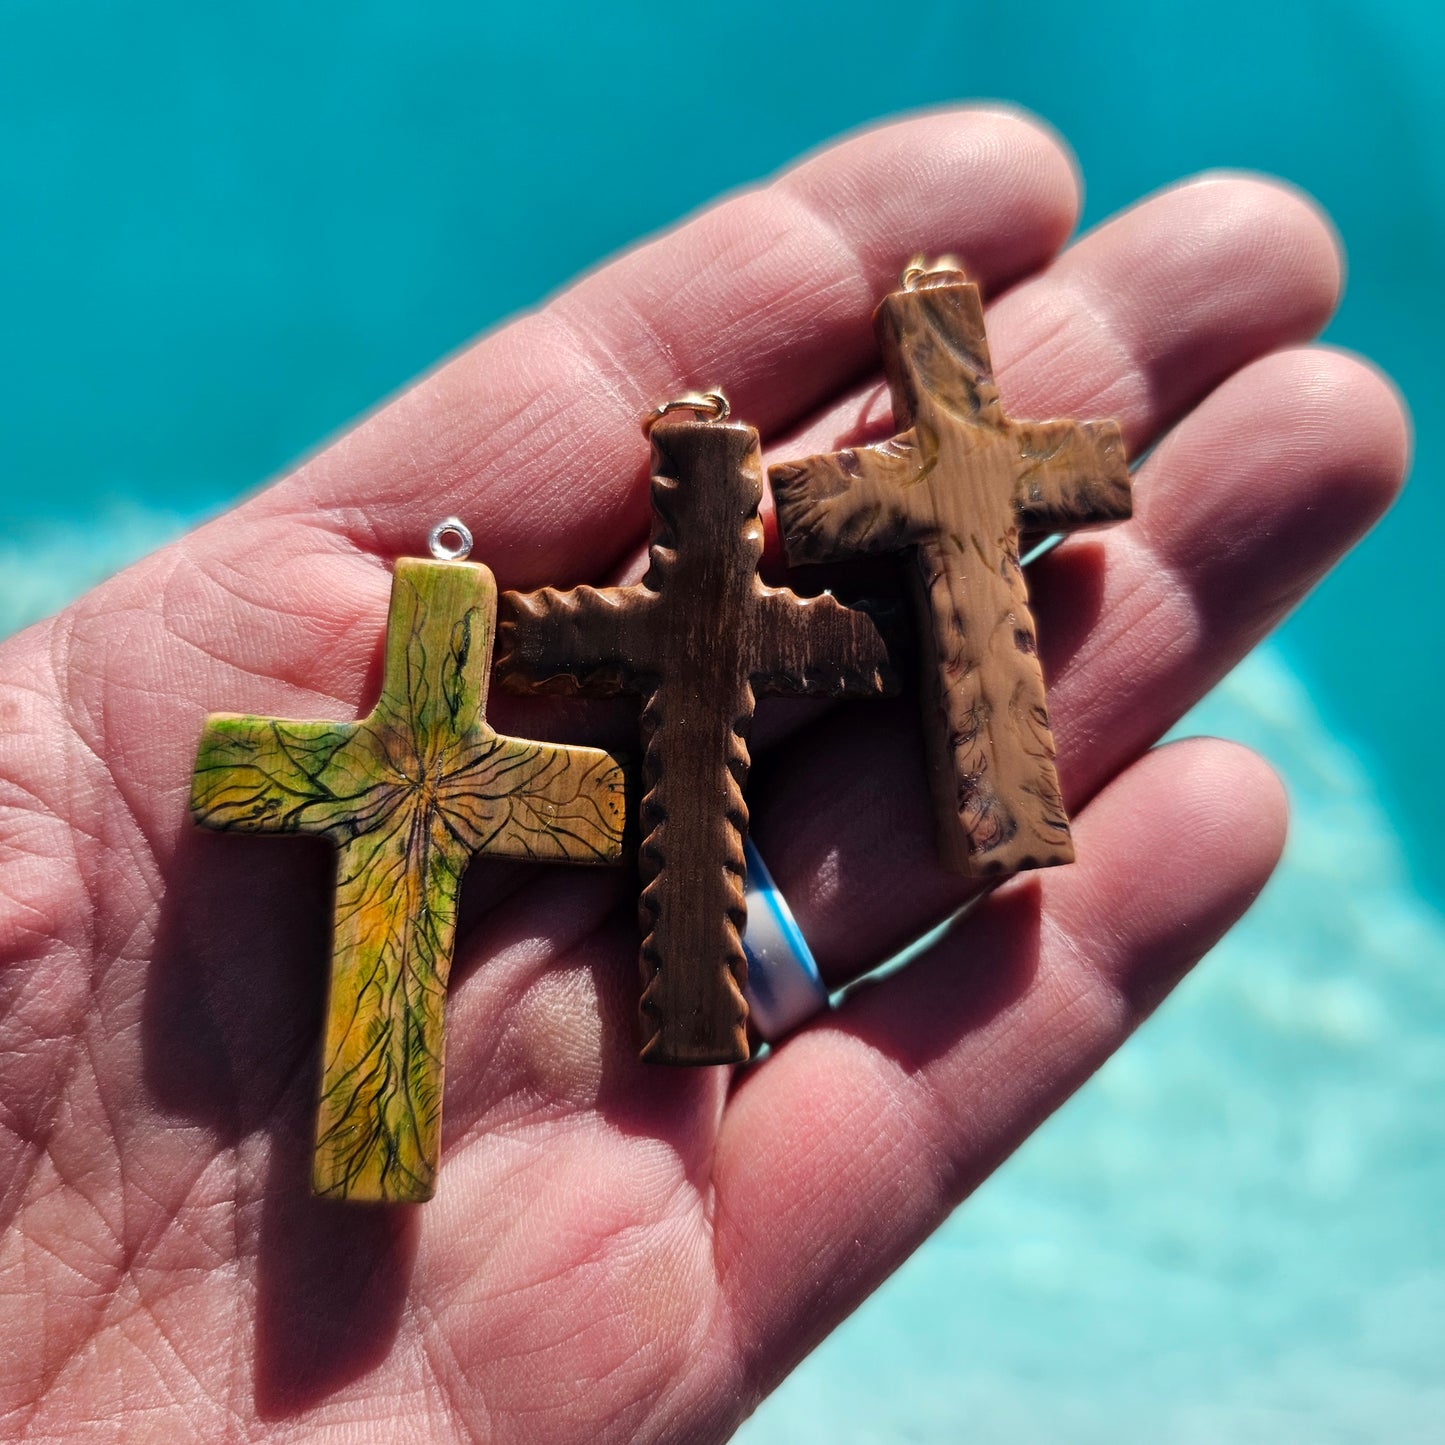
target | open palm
[{"x": 620, "y": 1252}]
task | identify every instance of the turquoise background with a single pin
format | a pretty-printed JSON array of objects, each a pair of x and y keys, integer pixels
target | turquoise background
[{"x": 230, "y": 229}]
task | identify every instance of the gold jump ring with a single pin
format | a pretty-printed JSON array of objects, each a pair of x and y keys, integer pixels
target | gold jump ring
[
  {"x": 920, "y": 268},
  {"x": 709, "y": 405}
]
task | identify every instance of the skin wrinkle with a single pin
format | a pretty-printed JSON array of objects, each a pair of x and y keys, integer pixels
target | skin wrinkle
[
  {"x": 1154, "y": 604},
  {"x": 214, "y": 574},
  {"x": 523, "y": 1152},
  {"x": 327, "y": 542},
  {"x": 93, "y": 764},
  {"x": 598, "y": 1257},
  {"x": 23, "y": 920},
  {"x": 19, "y": 1187},
  {"x": 587, "y": 333},
  {"x": 86, "y": 1042},
  {"x": 124, "y": 1351},
  {"x": 18, "y": 1190},
  {"x": 1046, "y": 162},
  {"x": 149, "y": 1239},
  {"x": 630, "y": 519},
  {"x": 537, "y": 1353},
  {"x": 667, "y": 1414},
  {"x": 821, "y": 1261},
  {"x": 1083, "y": 326},
  {"x": 1161, "y": 568},
  {"x": 726, "y": 1325},
  {"x": 1327, "y": 396},
  {"x": 90, "y": 1184},
  {"x": 350, "y": 600},
  {"x": 855, "y": 261},
  {"x": 51, "y": 1374},
  {"x": 531, "y": 424},
  {"x": 661, "y": 1409},
  {"x": 475, "y": 1424},
  {"x": 162, "y": 1335},
  {"x": 13, "y": 783}
]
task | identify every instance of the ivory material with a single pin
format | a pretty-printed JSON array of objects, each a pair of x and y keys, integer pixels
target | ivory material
[{"x": 408, "y": 795}]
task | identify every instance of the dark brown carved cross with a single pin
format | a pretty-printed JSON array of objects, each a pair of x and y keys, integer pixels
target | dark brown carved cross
[
  {"x": 954, "y": 490},
  {"x": 698, "y": 640}
]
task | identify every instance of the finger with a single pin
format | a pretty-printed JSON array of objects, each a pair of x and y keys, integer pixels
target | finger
[
  {"x": 1137, "y": 320},
  {"x": 1240, "y": 511},
  {"x": 841, "y": 1153},
  {"x": 533, "y": 432},
  {"x": 1144, "y": 315}
]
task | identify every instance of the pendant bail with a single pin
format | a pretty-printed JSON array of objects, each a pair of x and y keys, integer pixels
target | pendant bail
[
  {"x": 450, "y": 540},
  {"x": 921, "y": 273},
  {"x": 705, "y": 405}
]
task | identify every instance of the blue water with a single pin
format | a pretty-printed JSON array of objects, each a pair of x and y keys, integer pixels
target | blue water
[{"x": 229, "y": 229}]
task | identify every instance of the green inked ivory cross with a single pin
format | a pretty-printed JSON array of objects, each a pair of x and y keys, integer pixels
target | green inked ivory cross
[{"x": 408, "y": 795}]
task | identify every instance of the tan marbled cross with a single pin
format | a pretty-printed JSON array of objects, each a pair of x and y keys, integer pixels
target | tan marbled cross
[{"x": 954, "y": 490}]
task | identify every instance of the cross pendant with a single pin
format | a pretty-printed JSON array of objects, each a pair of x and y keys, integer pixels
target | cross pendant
[
  {"x": 408, "y": 795},
  {"x": 698, "y": 641},
  {"x": 953, "y": 491}
]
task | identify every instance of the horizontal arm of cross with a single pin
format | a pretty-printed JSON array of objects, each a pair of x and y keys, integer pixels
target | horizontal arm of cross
[
  {"x": 1070, "y": 474},
  {"x": 587, "y": 641},
  {"x": 264, "y": 775},
  {"x": 817, "y": 647},
  {"x": 847, "y": 503},
  {"x": 551, "y": 803}
]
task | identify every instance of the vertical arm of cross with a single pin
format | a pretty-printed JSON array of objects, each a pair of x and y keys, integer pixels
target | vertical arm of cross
[
  {"x": 989, "y": 747},
  {"x": 438, "y": 659},
  {"x": 935, "y": 355},
  {"x": 378, "y": 1123},
  {"x": 1069, "y": 474},
  {"x": 706, "y": 542},
  {"x": 447, "y": 787}
]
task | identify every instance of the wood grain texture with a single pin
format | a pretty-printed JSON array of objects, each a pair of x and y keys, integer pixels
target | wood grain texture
[
  {"x": 698, "y": 640},
  {"x": 953, "y": 491},
  {"x": 408, "y": 795}
]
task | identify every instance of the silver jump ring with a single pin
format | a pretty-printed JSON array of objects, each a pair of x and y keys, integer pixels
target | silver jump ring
[{"x": 450, "y": 540}]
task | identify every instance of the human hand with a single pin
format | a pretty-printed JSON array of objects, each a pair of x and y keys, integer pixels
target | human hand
[{"x": 621, "y": 1252}]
